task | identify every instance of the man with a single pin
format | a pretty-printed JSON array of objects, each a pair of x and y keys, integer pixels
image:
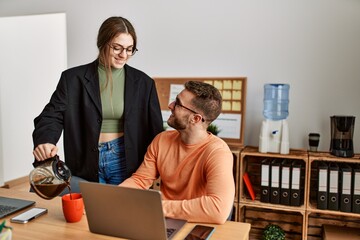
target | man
[{"x": 195, "y": 166}]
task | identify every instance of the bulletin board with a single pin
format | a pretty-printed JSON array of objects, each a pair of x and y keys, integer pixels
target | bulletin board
[{"x": 233, "y": 90}]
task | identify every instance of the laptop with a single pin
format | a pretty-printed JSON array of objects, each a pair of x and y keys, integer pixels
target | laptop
[
  {"x": 127, "y": 212},
  {"x": 9, "y": 206}
]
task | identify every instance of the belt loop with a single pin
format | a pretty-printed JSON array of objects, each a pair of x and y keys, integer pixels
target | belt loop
[{"x": 108, "y": 145}]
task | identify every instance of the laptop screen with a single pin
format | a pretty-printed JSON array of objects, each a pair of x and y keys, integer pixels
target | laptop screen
[{"x": 125, "y": 212}]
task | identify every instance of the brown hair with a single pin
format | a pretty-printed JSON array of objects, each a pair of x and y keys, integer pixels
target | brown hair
[
  {"x": 207, "y": 99},
  {"x": 109, "y": 29}
]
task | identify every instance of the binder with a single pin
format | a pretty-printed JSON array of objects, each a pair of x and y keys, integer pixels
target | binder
[
  {"x": 322, "y": 196},
  {"x": 275, "y": 181},
  {"x": 285, "y": 182},
  {"x": 333, "y": 194},
  {"x": 345, "y": 187},
  {"x": 356, "y": 189},
  {"x": 249, "y": 186},
  {"x": 265, "y": 180},
  {"x": 296, "y": 187}
]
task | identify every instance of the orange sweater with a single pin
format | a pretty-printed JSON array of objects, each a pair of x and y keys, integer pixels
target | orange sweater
[{"x": 197, "y": 181}]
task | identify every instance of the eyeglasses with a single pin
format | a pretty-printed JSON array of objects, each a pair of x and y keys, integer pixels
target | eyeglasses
[
  {"x": 118, "y": 49},
  {"x": 177, "y": 103}
]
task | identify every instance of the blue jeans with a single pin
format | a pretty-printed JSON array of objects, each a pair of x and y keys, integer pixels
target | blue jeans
[{"x": 112, "y": 164}]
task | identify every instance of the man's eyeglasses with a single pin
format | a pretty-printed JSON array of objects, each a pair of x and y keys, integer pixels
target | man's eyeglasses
[
  {"x": 118, "y": 49},
  {"x": 177, "y": 103}
]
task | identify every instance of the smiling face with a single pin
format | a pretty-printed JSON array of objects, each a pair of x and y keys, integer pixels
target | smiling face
[
  {"x": 181, "y": 116},
  {"x": 124, "y": 42},
  {"x": 115, "y": 34}
]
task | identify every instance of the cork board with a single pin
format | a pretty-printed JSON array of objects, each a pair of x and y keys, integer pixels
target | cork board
[{"x": 233, "y": 91}]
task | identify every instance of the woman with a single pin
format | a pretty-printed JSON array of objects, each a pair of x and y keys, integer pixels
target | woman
[{"x": 109, "y": 112}]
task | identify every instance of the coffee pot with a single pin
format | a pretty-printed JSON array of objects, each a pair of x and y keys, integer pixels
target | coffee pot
[{"x": 49, "y": 177}]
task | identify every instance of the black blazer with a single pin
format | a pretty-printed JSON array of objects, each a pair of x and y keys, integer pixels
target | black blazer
[{"x": 75, "y": 108}]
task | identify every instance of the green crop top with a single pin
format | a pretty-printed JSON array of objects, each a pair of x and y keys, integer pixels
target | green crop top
[{"x": 112, "y": 103}]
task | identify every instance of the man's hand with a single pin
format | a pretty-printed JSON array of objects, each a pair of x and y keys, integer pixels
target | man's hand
[{"x": 45, "y": 151}]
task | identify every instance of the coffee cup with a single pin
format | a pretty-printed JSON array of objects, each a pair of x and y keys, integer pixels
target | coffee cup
[
  {"x": 314, "y": 139},
  {"x": 73, "y": 207}
]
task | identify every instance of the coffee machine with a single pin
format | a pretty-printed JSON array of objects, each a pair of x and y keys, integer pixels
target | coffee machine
[{"x": 342, "y": 130}]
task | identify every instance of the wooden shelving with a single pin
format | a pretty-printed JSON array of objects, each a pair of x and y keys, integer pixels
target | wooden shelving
[
  {"x": 318, "y": 217},
  {"x": 302, "y": 222},
  {"x": 292, "y": 222},
  {"x": 291, "y": 218},
  {"x": 236, "y": 173}
]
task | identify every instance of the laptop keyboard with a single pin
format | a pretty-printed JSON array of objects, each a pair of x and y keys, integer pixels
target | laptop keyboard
[
  {"x": 6, "y": 209},
  {"x": 170, "y": 231}
]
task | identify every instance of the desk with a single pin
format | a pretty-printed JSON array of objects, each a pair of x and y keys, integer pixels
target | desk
[{"x": 53, "y": 225}]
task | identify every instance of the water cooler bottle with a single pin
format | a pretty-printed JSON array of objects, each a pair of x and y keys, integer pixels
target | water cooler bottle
[{"x": 274, "y": 133}]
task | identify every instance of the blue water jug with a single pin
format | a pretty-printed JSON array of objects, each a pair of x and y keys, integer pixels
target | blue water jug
[{"x": 276, "y": 101}]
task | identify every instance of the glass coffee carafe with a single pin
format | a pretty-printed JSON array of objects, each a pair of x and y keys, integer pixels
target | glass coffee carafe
[{"x": 49, "y": 177}]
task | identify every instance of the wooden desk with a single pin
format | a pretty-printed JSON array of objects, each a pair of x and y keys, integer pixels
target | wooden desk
[{"x": 53, "y": 225}]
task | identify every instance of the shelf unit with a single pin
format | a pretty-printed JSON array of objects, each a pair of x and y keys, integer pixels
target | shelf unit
[
  {"x": 303, "y": 222},
  {"x": 259, "y": 214},
  {"x": 318, "y": 217},
  {"x": 236, "y": 173}
]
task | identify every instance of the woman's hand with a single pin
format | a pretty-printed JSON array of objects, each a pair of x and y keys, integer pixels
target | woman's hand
[{"x": 45, "y": 151}]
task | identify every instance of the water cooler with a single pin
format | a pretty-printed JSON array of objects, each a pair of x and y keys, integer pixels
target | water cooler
[{"x": 274, "y": 133}]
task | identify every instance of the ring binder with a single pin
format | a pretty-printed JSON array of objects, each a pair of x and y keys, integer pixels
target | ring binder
[
  {"x": 285, "y": 182},
  {"x": 265, "y": 181},
  {"x": 356, "y": 189},
  {"x": 346, "y": 187},
  {"x": 333, "y": 190},
  {"x": 297, "y": 187},
  {"x": 275, "y": 181},
  {"x": 249, "y": 186},
  {"x": 322, "y": 196}
]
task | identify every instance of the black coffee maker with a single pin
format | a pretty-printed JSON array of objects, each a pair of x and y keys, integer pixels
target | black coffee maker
[{"x": 342, "y": 130}]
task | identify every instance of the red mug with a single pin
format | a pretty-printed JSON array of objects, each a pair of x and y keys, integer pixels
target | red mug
[{"x": 73, "y": 207}]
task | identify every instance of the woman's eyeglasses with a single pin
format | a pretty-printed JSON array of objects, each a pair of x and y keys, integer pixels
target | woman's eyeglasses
[{"x": 118, "y": 49}]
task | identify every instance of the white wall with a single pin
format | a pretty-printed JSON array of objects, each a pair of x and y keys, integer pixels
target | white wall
[
  {"x": 312, "y": 45},
  {"x": 33, "y": 52}
]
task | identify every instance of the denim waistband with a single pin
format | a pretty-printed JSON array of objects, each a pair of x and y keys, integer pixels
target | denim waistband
[{"x": 115, "y": 142}]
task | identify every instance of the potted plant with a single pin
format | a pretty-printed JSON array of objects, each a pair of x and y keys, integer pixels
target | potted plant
[
  {"x": 273, "y": 232},
  {"x": 213, "y": 129}
]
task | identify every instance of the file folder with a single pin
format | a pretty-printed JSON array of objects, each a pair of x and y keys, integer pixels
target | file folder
[
  {"x": 296, "y": 187},
  {"x": 285, "y": 182},
  {"x": 333, "y": 194},
  {"x": 346, "y": 187},
  {"x": 265, "y": 180},
  {"x": 356, "y": 189},
  {"x": 249, "y": 185},
  {"x": 322, "y": 196},
  {"x": 275, "y": 181}
]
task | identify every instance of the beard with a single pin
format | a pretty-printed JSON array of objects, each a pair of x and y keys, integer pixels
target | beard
[{"x": 176, "y": 123}]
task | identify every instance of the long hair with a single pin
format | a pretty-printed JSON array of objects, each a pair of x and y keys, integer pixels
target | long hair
[{"x": 110, "y": 28}]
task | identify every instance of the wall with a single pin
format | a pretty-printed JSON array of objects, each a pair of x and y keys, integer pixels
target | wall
[
  {"x": 312, "y": 45},
  {"x": 33, "y": 52}
]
